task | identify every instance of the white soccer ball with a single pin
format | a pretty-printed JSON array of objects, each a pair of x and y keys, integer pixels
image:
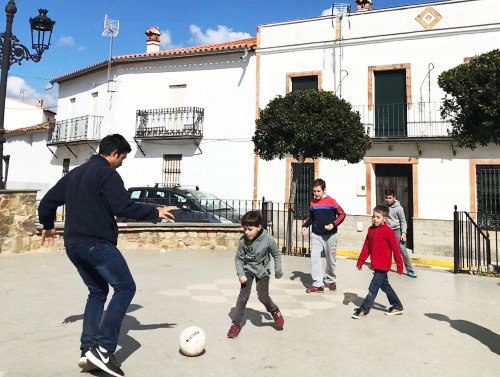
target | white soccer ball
[{"x": 192, "y": 341}]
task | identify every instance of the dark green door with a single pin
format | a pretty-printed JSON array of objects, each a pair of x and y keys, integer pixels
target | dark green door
[
  {"x": 398, "y": 177},
  {"x": 390, "y": 103}
]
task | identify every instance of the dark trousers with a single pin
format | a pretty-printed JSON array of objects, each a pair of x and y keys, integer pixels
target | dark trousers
[
  {"x": 101, "y": 265},
  {"x": 380, "y": 281},
  {"x": 262, "y": 286}
]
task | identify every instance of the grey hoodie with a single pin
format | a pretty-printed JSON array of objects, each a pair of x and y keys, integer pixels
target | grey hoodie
[
  {"x": 396, "y": 218},
  {"x": 254, "y": 256}
]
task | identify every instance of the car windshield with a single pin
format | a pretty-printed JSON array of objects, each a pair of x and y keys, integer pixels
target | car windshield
[{"x": 208, "y": 201}]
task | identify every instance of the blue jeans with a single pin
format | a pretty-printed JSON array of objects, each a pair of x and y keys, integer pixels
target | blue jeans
[
  {"x": 101, "y": 265},
  {"x": 380, "y": 281}
]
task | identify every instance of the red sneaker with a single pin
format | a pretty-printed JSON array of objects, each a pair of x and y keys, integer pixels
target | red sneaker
[
  {"x": 313, "y": 289},
  {"x": 234, "y": 330},
  {"x": 278, "y": 319},
  {"x": 333, "y": 286}
]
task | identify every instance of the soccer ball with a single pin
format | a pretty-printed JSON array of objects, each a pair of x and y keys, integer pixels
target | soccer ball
[{"x": 192, "y": 341}]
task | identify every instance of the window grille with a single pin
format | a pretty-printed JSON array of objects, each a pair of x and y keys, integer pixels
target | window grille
[
  {"x": 172, "y": 169},
  {"x": 488, "y": 195},
  {"x": 304, "y": 188}
]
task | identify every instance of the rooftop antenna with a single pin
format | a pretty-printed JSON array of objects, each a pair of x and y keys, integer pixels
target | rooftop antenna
[{"x": 111, "y": 28}]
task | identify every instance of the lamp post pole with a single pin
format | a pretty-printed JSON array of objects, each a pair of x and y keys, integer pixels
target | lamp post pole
[
  {"x": 10, "y": 11},
  {"x": 12, "y": 51}
]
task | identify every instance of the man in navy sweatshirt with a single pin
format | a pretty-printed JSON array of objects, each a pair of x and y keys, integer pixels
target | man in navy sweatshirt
[{"x": 94, "y": 194}]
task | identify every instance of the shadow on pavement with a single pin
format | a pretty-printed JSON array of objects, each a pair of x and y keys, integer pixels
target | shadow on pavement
[
  {"x": 484, "y": 335},
  {"x": 304, "y": 278},
  {"x": 128, "y": 345}
]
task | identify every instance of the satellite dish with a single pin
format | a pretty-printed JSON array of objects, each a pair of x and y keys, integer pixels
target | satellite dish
[{"x": 111, "y": 27}]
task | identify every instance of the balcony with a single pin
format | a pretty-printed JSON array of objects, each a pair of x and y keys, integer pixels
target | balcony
[
  {"x": 169, "y": 123},
  {"x": 405, "y": 121},
  {"x": 74, "y": 131}
]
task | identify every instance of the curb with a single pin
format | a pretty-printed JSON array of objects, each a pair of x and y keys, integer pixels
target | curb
[{"x": 415, "y": 260}]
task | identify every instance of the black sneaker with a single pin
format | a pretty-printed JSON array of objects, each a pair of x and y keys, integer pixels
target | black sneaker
[
  {"x": 105, "y": 361},
  {"x": 85, "y": 364}
]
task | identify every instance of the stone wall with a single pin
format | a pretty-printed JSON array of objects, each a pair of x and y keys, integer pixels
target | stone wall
[
  {"x": 162, "y": 236},
  {"x": 433, "y": 237},
  {"x": 17, "y": 220},
  {"x": 19, "y": 232}
]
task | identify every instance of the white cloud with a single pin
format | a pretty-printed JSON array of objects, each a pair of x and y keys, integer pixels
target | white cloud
[
  {"x": 327, "y": 12},
  {"x": 18, "y": 88},
  {"x": 66, "y": 41},
  {"x": 220, "y": 35}
]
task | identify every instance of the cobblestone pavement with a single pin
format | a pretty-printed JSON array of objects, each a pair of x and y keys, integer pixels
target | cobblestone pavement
[{"x": 450, "y": 326}]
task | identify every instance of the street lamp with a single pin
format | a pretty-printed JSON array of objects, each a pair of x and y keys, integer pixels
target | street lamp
[{"x": 12, "y": 51}]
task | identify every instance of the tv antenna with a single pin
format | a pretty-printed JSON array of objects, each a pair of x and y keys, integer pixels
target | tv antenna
[{"x": 111, "y": 28}]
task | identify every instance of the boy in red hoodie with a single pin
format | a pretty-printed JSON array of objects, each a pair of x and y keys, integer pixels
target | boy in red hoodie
[{"x": 380, "y": 244}]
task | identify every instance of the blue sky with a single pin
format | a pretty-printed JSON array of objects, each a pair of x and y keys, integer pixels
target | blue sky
[{"x": 77, "y": 41}]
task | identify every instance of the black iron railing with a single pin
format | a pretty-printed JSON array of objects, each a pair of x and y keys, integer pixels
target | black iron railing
[
  {"x": 79, "y": 129},
  {"x": 476, "y": 247},
  {"x": 169, "y": 122},
  {"x": 419, "y": 119}
]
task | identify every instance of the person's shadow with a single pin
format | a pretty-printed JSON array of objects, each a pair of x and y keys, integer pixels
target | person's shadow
[
  {"x": 304, "y": 278},
  {"x": 484, "y": 335},
  {"x": 255, "y": 317},
  {"x": 128, "y": 345},
  {"x": 357, "y": 301}
]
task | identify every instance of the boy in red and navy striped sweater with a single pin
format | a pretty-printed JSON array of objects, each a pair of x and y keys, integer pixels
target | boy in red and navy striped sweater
[{"x": 325, "y": 216}]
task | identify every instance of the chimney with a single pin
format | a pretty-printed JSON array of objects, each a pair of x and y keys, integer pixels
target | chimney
[
  {"x": 153, "y": 39},
  {"x": 40, "y": 102},
  {"x": 363, "y": 5}
]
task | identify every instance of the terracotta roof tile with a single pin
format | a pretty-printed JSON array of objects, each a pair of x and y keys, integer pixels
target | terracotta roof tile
[
  {"x": 250, "y": 43},
  {"x": 38, "y": 127}
]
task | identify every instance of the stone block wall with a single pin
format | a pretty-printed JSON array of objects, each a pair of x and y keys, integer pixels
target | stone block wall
[
  {"x": 162, "y": 236},
  {"x": 433, "y": 237},
  {"x": 17, "y": 220}
]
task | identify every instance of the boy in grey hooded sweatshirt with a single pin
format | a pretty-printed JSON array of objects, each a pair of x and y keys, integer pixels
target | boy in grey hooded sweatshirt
[
  {"x": 397, "y": 221},
  {"x": 253, "y": 262}
]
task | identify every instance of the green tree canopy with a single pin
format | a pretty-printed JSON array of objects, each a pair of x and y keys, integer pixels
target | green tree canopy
[
  {"x": 310, "y": 124},
  {"x": 474, "y": 102}
]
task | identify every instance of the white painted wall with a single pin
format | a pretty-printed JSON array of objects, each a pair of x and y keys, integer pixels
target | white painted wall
[
  {"x": 223, "y": 85},
  {"x": 19, "y": 114},
  {"x": 374, "y": 38}
]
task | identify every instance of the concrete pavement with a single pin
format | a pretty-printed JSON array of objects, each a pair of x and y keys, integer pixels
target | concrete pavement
[{"x": 450, "y": 326}]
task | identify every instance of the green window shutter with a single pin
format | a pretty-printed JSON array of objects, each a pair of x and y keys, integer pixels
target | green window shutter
[
  {"x": 304, "y": 83},
  {"x": 390, "y": 103}
]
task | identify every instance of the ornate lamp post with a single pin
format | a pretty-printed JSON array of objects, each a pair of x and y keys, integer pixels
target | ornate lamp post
[{"x": 12, "y": 51}]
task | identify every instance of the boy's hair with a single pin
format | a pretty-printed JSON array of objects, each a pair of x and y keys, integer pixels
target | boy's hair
[
  {"x": 389, "y": 192},
  {"x": 251, "y": 218},
  {"x": 115, "y": 142},
  {"x": 319, "y": 182},
  {"x": 384, "y": 210}
]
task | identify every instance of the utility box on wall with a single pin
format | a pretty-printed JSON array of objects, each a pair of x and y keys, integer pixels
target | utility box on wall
[{"x": 361, "y": 190}]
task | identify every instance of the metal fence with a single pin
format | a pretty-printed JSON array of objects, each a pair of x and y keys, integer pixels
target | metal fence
[
  {"x": 476, "y": 248},
  {"x": 279, "y": 221}
]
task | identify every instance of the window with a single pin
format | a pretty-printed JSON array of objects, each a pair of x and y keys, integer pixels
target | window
[
  {"x": 304, "y": 188},
  {"x": 65, "y": 166},
  {"x": 172, "y": 169},
  {"x": 390, "y": 103},
  {"x": 488, "y": 195},
  {"x": 304, "y": 83}
]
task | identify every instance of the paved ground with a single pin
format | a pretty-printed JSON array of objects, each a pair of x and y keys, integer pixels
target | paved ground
[{"x": 450, "y": 326}]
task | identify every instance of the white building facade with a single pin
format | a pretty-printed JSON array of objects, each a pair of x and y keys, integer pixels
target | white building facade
[
  {"x": 189, "y": 114},
  {"x": 386, "y": 64}
]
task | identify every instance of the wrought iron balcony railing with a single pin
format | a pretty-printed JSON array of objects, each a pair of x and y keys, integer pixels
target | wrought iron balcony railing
[
  {"x": 173, "y": 122},
  {"x": 74, "y": 130},
  {"x": 415, "y": 120}
]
